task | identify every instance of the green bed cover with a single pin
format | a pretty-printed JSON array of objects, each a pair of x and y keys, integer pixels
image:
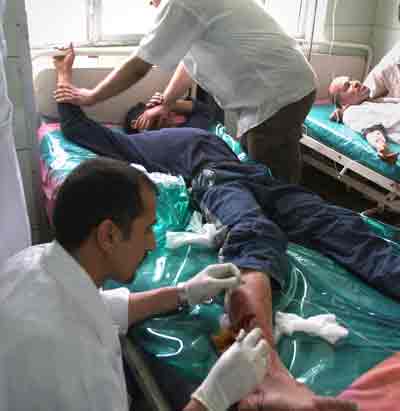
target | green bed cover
[{"x": 317, "y": 285}]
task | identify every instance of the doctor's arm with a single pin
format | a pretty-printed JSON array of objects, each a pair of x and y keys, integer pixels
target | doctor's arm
[
  {"x": 119, "y": 80},
  {"x": 178, "y": 85},
  {"x": 206, "y": 284}
]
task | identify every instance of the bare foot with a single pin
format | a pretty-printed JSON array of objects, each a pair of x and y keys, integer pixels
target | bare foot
[{"x": 280, "y": 392}]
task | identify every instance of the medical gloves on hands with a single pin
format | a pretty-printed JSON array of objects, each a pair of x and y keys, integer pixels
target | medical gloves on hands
[
  {"x": 236, "y": 373},
  {"x": 210, "y": 282}
]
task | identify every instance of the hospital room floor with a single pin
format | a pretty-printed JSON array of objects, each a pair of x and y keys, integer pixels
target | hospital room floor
[{"x": 337, "y": 193}]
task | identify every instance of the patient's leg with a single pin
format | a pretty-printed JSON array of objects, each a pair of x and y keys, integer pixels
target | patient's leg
[
  {"x": 257, "y": 246},
  {"x": 336, "y": 232},
  {"x": 250, "y": 306}
]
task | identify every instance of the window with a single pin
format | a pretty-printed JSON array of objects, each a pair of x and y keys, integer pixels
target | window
[
  {"x": 87, "y": 22},
  {"x": 94, "y": 22},
  {"x": 297, "y": 16}
]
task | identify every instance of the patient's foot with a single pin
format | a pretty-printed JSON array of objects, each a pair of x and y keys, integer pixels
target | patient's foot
[{"x": 280, "y": 392}]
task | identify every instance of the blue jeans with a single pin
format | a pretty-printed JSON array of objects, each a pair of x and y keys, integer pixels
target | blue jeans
[{"x": 262, "y": 214}]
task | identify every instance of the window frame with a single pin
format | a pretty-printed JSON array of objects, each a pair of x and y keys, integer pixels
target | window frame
[{"x": 95, "y": 37}]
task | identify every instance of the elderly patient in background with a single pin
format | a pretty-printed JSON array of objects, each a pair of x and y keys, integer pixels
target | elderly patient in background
[{"x": 372, "y": 108}]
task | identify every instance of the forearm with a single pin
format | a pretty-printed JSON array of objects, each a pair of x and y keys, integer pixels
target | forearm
[
  {"x": 182, "y": 106},
  {"x": 178, "y": 85},
  {"x": 64, "y": 77},
  {"x": 145, "y": 304},
  {"x": 121, "y": 78}
]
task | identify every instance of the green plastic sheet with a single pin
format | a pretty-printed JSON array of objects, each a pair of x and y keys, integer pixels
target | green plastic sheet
[{"x": 317, "y": 285}]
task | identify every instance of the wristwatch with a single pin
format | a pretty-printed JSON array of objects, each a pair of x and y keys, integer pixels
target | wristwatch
[{"x": 182, "y": 296}]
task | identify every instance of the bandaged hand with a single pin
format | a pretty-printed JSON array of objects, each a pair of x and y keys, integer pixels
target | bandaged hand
[
  {"x": 210, "y": 282},
  {"x": 236, "y": 373}
]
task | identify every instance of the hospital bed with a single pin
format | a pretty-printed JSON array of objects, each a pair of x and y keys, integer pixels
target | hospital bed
[
  {"x": 182, "y": 339},
  {"x": 340, "y": 152}
]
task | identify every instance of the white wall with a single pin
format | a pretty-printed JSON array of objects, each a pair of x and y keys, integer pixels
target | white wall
[
  {"x": 386, "y": 31},
  {"x": 354, "y": 20},
  {"x": 19, "y": 78}
]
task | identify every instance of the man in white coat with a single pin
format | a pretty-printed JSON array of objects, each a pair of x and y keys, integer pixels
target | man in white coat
[
  {"x": 60, "y": 348},
  {"x": 15, "y": 231},
  {"x": 238, "y": 53}
]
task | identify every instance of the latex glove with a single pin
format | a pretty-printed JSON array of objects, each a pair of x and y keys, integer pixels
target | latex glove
[
  {"x": 210, "y": 282},
  {"x": 236, "y": 373}
]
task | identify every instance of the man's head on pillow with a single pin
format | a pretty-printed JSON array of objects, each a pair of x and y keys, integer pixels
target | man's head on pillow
[
  {"x": 345, "y": 92},
  {"x": 136, "y": 119}
]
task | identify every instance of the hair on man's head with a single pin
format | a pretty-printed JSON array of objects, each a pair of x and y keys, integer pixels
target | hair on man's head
[
  {"x": 132, "y": 114},
  {"x": 96, "y": 190}
]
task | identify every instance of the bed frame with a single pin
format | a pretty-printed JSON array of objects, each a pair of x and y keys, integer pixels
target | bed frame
[{"x": 374, "y": 186}]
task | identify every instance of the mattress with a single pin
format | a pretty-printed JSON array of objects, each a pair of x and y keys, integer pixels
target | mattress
[
  {"x": 348, "y": 142},
  {"x": 317, "y": 285}
]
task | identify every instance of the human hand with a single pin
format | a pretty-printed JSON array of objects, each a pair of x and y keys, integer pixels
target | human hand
[
  {"x": 67, "y": 93},
  {"x": 236, "y": 373},
  {"x": 153, "y": 118},
  {"x": 156, "y": 100},
  {"x": 64, "y": 61},
  {"x": 210, "y": 282}
]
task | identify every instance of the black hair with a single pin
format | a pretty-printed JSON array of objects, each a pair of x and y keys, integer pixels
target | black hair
[
  {"x": 132, "y": 114},
  {"x": 96, "y": 190}
]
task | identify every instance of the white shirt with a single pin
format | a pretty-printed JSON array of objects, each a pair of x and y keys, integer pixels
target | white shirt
[
  {"x": 235, "y": 51},
  {"x": 371, "y": 113},
  {"x": 384, "y": 78},
  {"x": 59, "y": 349}
]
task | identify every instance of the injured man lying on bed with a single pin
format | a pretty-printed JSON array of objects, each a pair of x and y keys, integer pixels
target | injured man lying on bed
[
  {"x": 372, "y": 108},
  {"x": 261, "y": 215}
]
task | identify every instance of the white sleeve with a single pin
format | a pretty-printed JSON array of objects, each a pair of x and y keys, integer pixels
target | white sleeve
[
  {"x": 117, "y": 302},
  {"x": 174, "y": 31}
]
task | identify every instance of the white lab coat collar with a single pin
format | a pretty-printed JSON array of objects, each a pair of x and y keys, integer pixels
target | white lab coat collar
[{"x": 70, "y": 275}]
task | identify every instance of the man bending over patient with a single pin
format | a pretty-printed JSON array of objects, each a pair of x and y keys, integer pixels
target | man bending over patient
[
  {"x": 372, "y": 108},
  {"x": 261, "y": 215}
]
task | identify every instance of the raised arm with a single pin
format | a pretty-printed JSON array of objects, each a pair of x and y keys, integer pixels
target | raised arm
[{"x": 120, "y": 79}]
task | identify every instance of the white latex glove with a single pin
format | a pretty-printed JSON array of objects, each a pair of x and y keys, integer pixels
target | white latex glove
[
  {"x": 210, "y": 282},
  {"x": 236, "y": 373}
]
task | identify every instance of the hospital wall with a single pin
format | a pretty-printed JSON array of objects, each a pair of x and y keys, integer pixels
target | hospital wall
[
  {"x": 19, "y": 78},
  {"x": 386, "y": 31},
  {"x": 374, "y": 22}
]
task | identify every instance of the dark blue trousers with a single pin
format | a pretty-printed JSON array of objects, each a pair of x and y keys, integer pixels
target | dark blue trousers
[{"x": 262, "y": 214}]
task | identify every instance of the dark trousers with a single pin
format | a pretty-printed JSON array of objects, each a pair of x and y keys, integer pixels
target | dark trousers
[
  {"x": 276, "y": 141},
  {"x": 262, "y": 214}
]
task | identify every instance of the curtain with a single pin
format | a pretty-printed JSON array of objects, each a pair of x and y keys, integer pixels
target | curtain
[{"x": 14, "y": 223}]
